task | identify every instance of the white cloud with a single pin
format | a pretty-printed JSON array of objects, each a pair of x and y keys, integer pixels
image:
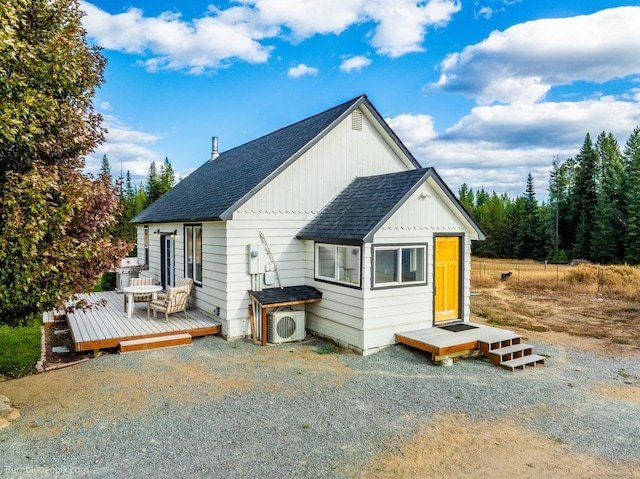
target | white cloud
[
  {"x": 499, "y": 145},
  {"x": 414, "y": 130},
  {"x": 484, "y": 12},
  {"x": 522, "y": 63},
  {"x": 355, "y": 64},
  {"x": 197, "y": 46},
  {"x": 126, "y": 148},
  {"x": 301, "y": 70},
  {"x": 402, "y": 23},
  {"x": 306, "y": 18},
  {"x": 168, "y": 42}
]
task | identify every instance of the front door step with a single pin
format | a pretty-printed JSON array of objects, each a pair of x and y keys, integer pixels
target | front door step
[
  {"x": 510, "y": 353},
  {"x": 155, "y": 342}
]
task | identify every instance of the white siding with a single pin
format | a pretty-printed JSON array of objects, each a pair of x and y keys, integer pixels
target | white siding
[
  {"x": 213, "y": 292},
  {"x": 339, "y": 314},
  {"x": 287, "y": 203},
  {"x": 325, "y": 170},
  {"x": 394, "y": 310}
]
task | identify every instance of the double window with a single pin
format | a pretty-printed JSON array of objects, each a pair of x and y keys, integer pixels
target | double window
[
  {"x": 193, "y": 252},
  {"x": 399, "y": 265},
  {"x": 338, "y": 263}
]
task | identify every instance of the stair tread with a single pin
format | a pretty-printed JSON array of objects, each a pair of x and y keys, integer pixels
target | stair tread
[
  {"x": 157, "y": 339},
  {"x": 511, "y": 349},
  {"x": 514, "y": 363},
  {"x": 495, "y": 337}
]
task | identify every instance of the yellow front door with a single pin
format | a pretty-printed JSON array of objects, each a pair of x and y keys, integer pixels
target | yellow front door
[{"x": 447, "y": 282}]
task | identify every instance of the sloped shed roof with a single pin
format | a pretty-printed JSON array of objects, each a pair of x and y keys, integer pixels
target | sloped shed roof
[
  {"x": 218, "y": 187},
  {"x": 354, "y": 215}
]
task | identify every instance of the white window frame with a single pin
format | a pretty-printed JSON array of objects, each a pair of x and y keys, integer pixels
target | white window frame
[
  {"x": 398, "y": 265},
  {"x": 190, "y": 237},
  {"x": 340, "y": 270}
]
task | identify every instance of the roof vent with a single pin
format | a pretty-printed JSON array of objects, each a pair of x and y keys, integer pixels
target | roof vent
[
  {"x": 214, "y": 148},
  {"x": 356, "y": 120}
]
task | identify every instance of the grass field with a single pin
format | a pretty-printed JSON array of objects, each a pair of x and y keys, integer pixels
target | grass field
[
  {"x": 612, "y": 281},
  {"x": 19, "y": 349},
  {"x": 588, "y": 301}
]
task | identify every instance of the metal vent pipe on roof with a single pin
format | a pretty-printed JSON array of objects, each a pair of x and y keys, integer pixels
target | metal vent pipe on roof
[{"x": 214, "y": 148}]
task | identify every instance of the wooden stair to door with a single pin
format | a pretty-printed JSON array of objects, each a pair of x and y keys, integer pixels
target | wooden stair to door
[{"x": 509, "y": 352}]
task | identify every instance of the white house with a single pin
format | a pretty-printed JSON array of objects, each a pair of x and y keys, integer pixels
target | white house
[{"x": 334, "y": 204}]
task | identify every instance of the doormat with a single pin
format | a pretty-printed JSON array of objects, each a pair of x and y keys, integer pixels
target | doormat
[{"x": 456, "y": 328}]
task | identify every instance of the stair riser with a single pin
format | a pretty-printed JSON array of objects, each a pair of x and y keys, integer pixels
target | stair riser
[{"x": 500, "y": 352}]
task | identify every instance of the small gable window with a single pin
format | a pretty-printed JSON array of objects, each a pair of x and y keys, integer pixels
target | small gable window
[
  {"x": 193, "y": 253},
  {"x": 338, "y": 264},
  {"x": 399, "y": 265}
]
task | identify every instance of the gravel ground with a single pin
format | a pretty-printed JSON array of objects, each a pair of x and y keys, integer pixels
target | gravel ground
[{"x": 231, "y": 409}]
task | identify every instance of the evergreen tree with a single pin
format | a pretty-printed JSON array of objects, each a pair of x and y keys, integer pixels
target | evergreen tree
[
  {"x": 465, "y": 195},
  {"x": 585, "y": 195},
  {"x": 105, "y": 169},
  {"x": 153, "y": 184},
  {"x": 527, "y": 239},
  {"x": 632, "y": 197},
  {"x": 607, "y": 244},
  {"x": 166, "y": 178}
]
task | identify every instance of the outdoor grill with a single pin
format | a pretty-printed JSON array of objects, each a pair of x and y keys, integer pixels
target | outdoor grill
[{"x": 129, "y": 268}]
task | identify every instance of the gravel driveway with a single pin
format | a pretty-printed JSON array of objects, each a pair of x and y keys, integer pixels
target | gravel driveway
[{"x": 232, "y": 409}]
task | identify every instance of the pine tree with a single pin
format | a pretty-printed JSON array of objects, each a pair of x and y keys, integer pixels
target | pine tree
[
  {"x": 465, "y": 195},
  {"x": 166, "y": 178},
  {"x": 607, "y": 244},
  {"x": 528, "y": 236},
  {"x": 632, "y": 197},
  {"x": 153, "y": 184},
  {"x": 585, "y": 196}
]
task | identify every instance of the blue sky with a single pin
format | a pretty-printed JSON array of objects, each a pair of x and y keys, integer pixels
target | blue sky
[{"x": 485, "y": 91}]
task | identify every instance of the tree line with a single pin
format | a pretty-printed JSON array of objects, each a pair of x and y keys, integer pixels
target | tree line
[
  {"x": 592, "y": 211},
  {"x": 135, "y": 198}
]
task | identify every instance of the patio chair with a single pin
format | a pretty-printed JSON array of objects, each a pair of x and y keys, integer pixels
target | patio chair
[
  {"x": 175, "y": 301},
  {"x": 139, "y": 297},
  {"x": 181, "y": 282}
]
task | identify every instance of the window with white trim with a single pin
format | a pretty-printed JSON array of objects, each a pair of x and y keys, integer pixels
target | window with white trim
[
  {"x": 193, "y": 252},
  {"x": 338, "y": 263},
  {"x": 399, "y": 265}
]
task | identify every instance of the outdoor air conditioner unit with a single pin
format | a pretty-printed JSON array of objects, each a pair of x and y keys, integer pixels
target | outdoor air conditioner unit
[{"x": 285, "y": 326}]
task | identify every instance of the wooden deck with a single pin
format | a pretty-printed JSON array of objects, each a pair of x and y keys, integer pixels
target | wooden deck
[
  {"x": 447, "y": 344},
  {"x": 102, "y": 327}
]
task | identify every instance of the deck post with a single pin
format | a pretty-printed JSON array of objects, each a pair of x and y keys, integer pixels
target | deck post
[{"x": 263, "y": 333}]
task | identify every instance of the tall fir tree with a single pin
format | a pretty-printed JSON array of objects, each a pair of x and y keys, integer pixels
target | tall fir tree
[
  {"x": 585, "y": 196},
  {"x": 607, "y": 245},
  {"x": 528, "y": 236},
  {"x": 632, "y": 197},
  {"x": 153, "y": 184}
]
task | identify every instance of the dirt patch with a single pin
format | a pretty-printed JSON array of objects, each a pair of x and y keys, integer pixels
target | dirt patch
[
  {"x": 453, "y": 446},
  {"x": 59, "y": 345},
  {"x": 60, "y": 399},
  {"x": 622, "y": 392},
  {"x": 593, "y": 323}
]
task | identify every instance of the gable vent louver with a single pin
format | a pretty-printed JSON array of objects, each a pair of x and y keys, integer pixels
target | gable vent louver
[{"x": 356, "y": 120}]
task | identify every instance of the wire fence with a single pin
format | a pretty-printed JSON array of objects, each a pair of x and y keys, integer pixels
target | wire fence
[{"x": 493, "y": 270}]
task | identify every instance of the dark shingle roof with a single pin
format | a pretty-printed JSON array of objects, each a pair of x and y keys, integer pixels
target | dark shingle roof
[
  {"x": 212, "y": 191},
  {"x": 361, "y": 208},
  {"x": 288, "y": 294}
]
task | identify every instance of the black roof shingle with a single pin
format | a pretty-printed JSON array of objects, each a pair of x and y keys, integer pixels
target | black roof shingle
[
  {"x": 214, "y": 190},
  {"x": 357, "y": 212}
]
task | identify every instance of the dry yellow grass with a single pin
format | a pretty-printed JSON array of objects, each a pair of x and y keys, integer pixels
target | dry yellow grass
[
  {"x": 588, "y": 301},
  {"x": 622, "y": 282}
]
